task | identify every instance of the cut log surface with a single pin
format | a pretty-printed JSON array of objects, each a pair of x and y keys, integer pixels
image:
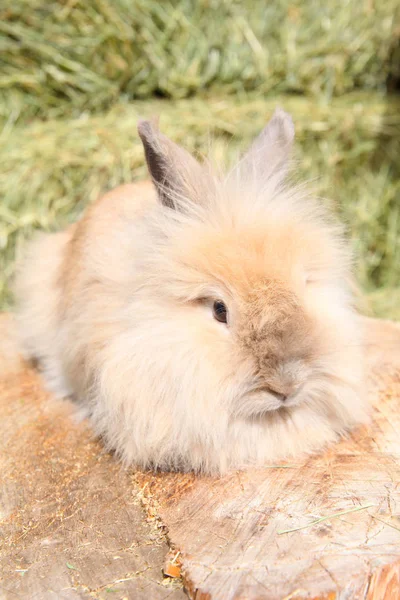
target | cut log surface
[
  {"x": 74, "y": 524},
  {"x": 71, "y": 520}
]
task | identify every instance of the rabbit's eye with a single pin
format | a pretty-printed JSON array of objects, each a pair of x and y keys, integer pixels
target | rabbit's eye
[{"x": 220, "y": 311}]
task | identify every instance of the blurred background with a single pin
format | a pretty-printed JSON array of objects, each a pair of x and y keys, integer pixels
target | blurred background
[{"x": 75, "y": 75}]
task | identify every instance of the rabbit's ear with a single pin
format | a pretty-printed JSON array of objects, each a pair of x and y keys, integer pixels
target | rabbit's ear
[
  {"x": 270, "y": 152},
  {"x": 173, "y": 170}
]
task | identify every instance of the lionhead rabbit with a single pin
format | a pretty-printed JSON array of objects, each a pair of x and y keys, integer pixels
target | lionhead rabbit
[{"x": 205, "y": 324}]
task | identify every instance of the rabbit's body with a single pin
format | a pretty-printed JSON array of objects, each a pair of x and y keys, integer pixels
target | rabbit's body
[
  {"x": 55, "y": 271},
  {"x": 207, "y": 328}
]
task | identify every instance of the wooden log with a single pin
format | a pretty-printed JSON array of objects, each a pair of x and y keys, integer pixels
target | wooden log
[
  {"x": 74, "y": 524},
  {"x": 71, "y": 522}
]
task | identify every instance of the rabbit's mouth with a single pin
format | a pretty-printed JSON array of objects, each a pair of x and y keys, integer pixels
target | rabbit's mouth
[
  {"x": 279, "y": 396},
  {"x": 264, "y": 399}
]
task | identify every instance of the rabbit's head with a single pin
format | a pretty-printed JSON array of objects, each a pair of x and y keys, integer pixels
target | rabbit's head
[{"x": 243, "y": 311}]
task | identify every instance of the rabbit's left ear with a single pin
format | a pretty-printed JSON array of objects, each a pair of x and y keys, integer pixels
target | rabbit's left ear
[
  {"x": 270, "y": 152},
  {"x": 176, "y": 174}
]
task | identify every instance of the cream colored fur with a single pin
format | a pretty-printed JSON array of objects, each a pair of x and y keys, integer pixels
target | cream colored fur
[{"x": 118, "y": 311}]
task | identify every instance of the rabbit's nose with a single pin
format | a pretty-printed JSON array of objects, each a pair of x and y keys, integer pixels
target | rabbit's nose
[{"x": 284, "y": 390}]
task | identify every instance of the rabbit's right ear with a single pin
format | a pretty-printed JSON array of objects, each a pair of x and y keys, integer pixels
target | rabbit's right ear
[
  {"x": 175, "y": 173},
  {"x": 270, "y": 152}
]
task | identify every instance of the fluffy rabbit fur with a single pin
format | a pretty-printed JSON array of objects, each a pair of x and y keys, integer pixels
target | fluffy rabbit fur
[{"x": 120, "y": 311}]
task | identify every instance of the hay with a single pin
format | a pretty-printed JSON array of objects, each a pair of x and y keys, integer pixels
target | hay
[
  {"x": 349, "y": 147},
  {"x": 327, "y": 518},
  {"x": 58, "y": 58},
  {"x": 74, "y": 73}
]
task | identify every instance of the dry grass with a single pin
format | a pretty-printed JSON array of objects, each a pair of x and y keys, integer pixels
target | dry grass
[
  {"x": 349, "y": 148},
  {"x": 76, "y": 74},
  {"x": 59, "y": 57}
]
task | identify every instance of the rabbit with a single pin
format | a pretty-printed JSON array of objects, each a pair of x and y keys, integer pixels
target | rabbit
[{"x": 204, "y": 322}]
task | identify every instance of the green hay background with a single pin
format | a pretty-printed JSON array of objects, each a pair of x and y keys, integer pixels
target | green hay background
[{"x": 75, "y": 76}]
